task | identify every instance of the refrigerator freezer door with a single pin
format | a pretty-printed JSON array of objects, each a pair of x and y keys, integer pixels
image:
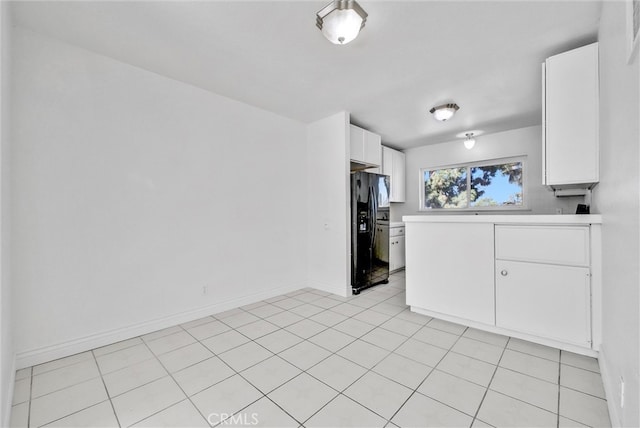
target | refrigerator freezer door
[{"x": 369, "y": 205}]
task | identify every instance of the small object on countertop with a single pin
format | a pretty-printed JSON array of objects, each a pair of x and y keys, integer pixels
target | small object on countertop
[{"x": 582, "y": 209}]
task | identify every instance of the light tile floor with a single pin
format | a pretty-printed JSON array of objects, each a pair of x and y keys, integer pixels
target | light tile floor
[{"x": 315, "y": 360}]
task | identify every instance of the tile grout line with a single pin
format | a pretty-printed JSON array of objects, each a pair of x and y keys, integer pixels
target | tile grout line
[
  {"x": 89, "y": 406},
  {"x": 559, "y": 375},
  {"x": 415, "y": 390},
  {"x": 30, "y": 398},
  {"x": 106, "y": 390},
  {"x": 486, "y": 391},
  {"x": 169, "y": 374}
]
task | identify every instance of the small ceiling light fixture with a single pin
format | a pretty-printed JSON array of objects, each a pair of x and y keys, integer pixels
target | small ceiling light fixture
[
  {"x": 341, "y": 20},
  {"x": 469, "y": 142},
  {"x": 444, "y": 112}
]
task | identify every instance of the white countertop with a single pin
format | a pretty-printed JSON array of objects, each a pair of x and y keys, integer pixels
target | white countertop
[
  {"x": 396, "y": 224},
  {"x": 505, "y": 218}
]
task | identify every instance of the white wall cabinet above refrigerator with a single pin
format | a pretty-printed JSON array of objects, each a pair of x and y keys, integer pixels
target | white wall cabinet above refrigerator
[
  {"x": 366, "y": 147},
  {"x": 570, "y": 147},
  {"x": 393, "y": 165}
]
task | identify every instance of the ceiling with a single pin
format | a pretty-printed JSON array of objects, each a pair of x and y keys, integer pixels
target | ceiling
[{"x": 411, "y": 56}]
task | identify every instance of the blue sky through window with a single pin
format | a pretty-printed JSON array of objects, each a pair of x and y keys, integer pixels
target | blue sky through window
[{"x": 500, "y": 190}]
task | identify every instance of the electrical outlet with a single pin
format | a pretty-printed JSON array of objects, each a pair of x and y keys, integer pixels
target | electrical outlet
[
  {"x": 205, "y": 289},
  {"x": 621, "y": 392},
  {"x": 558, "y": 210}
]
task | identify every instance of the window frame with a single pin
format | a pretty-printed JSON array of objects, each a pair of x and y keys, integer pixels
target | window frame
[{"x": 469, "y": 166}]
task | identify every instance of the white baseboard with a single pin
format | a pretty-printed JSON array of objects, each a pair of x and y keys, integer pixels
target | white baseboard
[
  {"x": 340, "y": 290},
  {"x": 82, "y": 344},
  {"x": 610, "y": 389},
  {"x": 8, "y": 400}
]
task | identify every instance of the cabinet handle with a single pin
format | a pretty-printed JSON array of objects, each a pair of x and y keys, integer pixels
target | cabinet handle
[{"x": 503, "y": 272}]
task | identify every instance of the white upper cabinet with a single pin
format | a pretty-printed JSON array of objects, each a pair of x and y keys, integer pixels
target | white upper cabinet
[
  {"x": 570, "y": 118},
  {"x": 393, "y": 165},
  {"x": 366, "y": 147},
  {"x": 398, "y": 177}
]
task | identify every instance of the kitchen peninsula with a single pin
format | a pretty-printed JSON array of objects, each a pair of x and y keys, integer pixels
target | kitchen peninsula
[{"x": 535, "y": 277}]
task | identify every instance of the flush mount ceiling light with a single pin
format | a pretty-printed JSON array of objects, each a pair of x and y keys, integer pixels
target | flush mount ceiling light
[
  {"x": 341, "y": 20},
  {"x": 444, "y": 112},
  {"x": 469, "y": 142}
]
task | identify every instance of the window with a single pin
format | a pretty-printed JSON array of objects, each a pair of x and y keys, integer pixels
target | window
[{"x": 488, "y": 185}]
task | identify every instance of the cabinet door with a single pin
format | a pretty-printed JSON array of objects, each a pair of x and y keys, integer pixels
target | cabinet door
[
  {"x": 394, "y": 253},
  {"x": 357, "y": 143},
  {"x": 571, "y": 117},
  {"x": 398, "y": 178},
  {"x": 387, "y": 169},
  {"x": 387, "y": 162},
  {"x": 549, "y": 301},
  {"x": 396, "y": 248},
  {"x": 399, "y": 252},
  {"x": 372, "y": 148},
  {"x": 450, "y": 269}
]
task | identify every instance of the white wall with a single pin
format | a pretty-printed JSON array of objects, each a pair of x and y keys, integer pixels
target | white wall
[
  {"x": 617, "y": 198},
  {"x": 517, "y": 142},
  {"x": 6, "y": 336},
  {"x": 131, "y": 192},
  {"x": 328, "y": 208}
]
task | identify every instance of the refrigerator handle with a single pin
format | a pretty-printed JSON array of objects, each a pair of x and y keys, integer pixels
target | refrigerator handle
[{"x": 374, "y": 214}]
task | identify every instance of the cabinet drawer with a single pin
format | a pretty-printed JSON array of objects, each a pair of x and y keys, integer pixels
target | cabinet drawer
[
  {"x": 563, "y": 245},
  {"x": 396, "y": 231}
]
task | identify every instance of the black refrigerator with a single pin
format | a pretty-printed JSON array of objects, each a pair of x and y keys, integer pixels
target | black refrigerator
[{"x": 369, "y": 222}]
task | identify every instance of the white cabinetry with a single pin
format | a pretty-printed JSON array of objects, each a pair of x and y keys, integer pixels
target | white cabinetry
[
  {"x": 393, "y": 165},
  {"x": 570, "y": 118},
  {"x": 450, "y": 269},
  {"x": 543, "y": 282},
  {"x": 396, "y": 248},
  {"x": 366, "y": 147},
  {"x": 548, "y": 301},
  {"x": 536, "y": 278}
]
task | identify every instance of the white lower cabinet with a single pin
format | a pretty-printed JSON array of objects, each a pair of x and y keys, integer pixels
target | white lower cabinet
[
  {"x": 396, "y": 253},
  {"x": 508, "y": 275},
  {"x": 545, "y": 300},
  {"x": 450, "y": 269},
  {"x": 543, "y": 281}
]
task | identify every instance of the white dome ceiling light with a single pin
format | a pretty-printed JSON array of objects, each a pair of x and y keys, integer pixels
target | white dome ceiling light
[
  {"x": 444, "y": 112},
  {"x": 470, "y": 141},
  {"x": 341, "y": 20}
]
